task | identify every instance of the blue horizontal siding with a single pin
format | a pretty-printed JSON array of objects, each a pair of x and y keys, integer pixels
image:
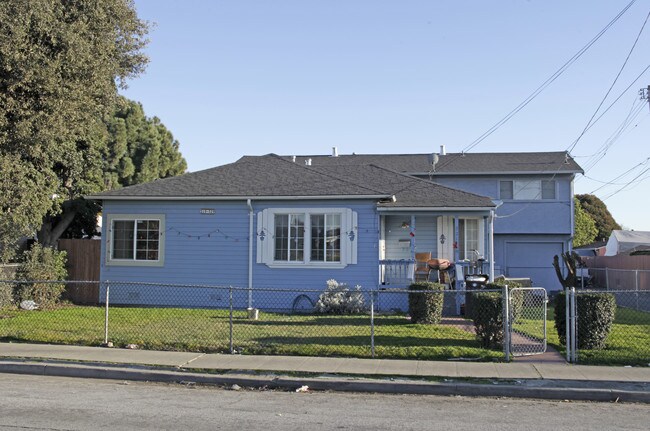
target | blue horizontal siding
[
  {"x": 525, "y": 217},
  {"x": 222, "y": 258}
]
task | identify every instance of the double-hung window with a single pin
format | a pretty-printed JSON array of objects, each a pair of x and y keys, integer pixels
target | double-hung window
[
  {"x": 135, "y": 240},
  {"x": 468, "y": 238},
  {"x": 308, "y": 237},
  {"x": 527, "y": 189}
]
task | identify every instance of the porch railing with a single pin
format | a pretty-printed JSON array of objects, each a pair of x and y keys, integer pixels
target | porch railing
[{"x": 397, "y": 271}]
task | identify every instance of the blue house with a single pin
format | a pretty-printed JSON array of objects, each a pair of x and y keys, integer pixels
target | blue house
[{"x": 273, "y": 222}]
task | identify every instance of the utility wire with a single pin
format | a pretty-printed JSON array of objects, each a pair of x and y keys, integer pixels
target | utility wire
[
  {"x": 544, "y": 85},
  {"x": 548, "y": 81},
  {"x": 628, "y": 184},
  {"x": 629, "y": 54},
  {"x": 645, "y": 162},
  {"x": 602, "y": 151}
]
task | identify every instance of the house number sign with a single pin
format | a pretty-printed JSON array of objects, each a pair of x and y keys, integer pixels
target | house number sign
[{"x": 208, "y": 211}]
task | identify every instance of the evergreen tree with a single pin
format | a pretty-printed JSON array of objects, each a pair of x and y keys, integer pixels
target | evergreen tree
[
  {"x": 598, "y": 211},
  {"x": 585, "y": 227},
  {"x": 61, "y": 64}
]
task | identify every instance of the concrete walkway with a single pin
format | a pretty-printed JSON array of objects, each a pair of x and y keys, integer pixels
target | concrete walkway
[{"x": 536, "y": 374}]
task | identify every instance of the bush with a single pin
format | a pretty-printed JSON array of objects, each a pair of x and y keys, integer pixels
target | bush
[
  {"x": 339, "y": 299},
  {"x": 487, "y": 313},
  {"x": 595, "y": 315},
  {"x": 425, "y": 307},
  {"x": 516, "y": 298},
  {"x": 41, "y": 264}
]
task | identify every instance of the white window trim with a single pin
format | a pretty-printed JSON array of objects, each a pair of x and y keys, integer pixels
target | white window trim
[
  {"x": 110, "y": 218},
  {"x": 266, "y": 230}
]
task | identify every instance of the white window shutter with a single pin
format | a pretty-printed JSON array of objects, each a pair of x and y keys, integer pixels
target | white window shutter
[
  {"x": 354, "y": 228},
  {"x": 261, "y": 230}
]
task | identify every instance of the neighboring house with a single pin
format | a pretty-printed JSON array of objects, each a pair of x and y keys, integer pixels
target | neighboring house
[
  {"x": 295, "y": 222},
  {"x": 626, "y": 242},
  {"x": 597, "y": 248}
]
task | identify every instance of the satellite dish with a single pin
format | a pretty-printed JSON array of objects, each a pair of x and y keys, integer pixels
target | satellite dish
[{"x": 433, "y": 159}]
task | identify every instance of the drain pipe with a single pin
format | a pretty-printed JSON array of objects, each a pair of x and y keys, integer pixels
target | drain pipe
[{"x": 250, "y": 254}]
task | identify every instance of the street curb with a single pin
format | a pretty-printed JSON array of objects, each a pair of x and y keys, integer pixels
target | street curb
[{"x": 338, "y": 384}]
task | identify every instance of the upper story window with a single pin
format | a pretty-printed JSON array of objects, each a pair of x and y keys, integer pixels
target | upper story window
[
  {"x": 527, "y": 189},
  {"x": 309, "y": 237},
  {"x": 135, "y": 240}
]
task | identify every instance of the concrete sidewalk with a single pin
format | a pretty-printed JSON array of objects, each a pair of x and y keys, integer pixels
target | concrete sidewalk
[{"x": 175, "y": 366}]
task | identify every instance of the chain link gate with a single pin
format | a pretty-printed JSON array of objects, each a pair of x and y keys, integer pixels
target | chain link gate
[{"x": 525, "y": 321}]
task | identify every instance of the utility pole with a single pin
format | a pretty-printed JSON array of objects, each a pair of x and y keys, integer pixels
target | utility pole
[{"x": 645, "y": 94}]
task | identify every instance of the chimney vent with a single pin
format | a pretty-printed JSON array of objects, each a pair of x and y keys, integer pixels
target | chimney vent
[
  {"x": 308, "y": 162},
  {"x": 335, "y": 152},
  {"x": 443, "y": 150},
  {"x": 293, "y": 159}
]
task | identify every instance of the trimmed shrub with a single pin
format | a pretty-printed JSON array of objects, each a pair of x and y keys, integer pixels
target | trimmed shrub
[
  {"x": 595, "y": 315},
  {"x": 516, "y": 298},
  {"x": 339, "y": 299},
  {"x": 426, "y": 306},
  {"x": 41, "y": 264},
  {"x": 487, "y": 313}
]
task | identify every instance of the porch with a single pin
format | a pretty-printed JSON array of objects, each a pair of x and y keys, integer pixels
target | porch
[{"x": 408, "y": 240}]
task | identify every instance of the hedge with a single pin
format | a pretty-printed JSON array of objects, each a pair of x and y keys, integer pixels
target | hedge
[
  {"x": 486, "y": 310},
  {"x": 425, "y": 307},
  {"x": 595, "y": 316}
]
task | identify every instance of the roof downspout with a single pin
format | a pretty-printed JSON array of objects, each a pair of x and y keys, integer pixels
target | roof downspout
[{"x": 250, "y": 254}]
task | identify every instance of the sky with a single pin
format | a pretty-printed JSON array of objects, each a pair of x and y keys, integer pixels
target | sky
[{"x": 242, "y": 77}]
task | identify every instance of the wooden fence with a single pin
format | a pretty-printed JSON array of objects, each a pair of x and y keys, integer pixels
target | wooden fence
[
  {"x": 620, "y": 272},
  {"x": 83, "y": 265}
]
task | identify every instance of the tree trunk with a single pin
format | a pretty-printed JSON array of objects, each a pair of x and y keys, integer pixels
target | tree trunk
[{"x": 52, "y": 229}]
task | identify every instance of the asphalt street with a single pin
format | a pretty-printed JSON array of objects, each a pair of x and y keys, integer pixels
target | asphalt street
[{"x": 60, "y": 403}]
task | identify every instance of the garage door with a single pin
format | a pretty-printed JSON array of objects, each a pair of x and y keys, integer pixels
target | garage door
[{"x": 534, "y": 260}]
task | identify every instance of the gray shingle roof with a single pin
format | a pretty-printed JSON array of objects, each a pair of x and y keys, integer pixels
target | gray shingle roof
[
  {"x": 274, "y": 176},
  {"x": 409, "y": 191},
  {"x": 251, "y": 176},
  {"x": 458, "y": 163}
]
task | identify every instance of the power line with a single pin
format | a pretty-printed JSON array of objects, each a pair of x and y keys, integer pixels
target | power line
[
  {"x": 645, "y": 162},
  {"x": 628, "y": 184},
  {"x": 544, "y": 85},
  {"x": 548, "y": 81},
  {"x": 636, "y": 110},
  {"x": 572, "y": 146}
]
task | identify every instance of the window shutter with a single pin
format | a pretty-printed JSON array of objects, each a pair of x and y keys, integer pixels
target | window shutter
[{"x": 262, "y": 232}]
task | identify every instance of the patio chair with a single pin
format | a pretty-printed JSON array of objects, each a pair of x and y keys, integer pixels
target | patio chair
[{"x": 422, "y": 269}]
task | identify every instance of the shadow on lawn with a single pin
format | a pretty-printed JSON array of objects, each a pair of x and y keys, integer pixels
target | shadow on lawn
[
  {"x": 309, "y": 320},
  {"x": 364, "y": 341}
]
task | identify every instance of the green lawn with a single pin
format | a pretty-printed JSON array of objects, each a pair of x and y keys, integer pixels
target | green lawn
[
  {"x": 627, "y": 344},
  {"x": 274, "y": 333},
  {"x": 312, "y": 335}
]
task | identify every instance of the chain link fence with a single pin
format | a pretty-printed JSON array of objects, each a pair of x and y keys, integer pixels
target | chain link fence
[
  {"x": 606, "y": 327},
  {"x": 614, "y": 279},
  {"x": 320, "y": 322},
  {"x": 326, "y": 322}
]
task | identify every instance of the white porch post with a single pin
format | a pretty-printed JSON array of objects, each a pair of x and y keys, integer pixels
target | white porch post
[
  {"x": 491, "y": 244},
  {"x": 456, "y": 239},
  {"x": 412, "y": 234}
]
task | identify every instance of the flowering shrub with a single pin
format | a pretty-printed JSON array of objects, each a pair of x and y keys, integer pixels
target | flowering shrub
[{"x": 339, "y": 299}]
